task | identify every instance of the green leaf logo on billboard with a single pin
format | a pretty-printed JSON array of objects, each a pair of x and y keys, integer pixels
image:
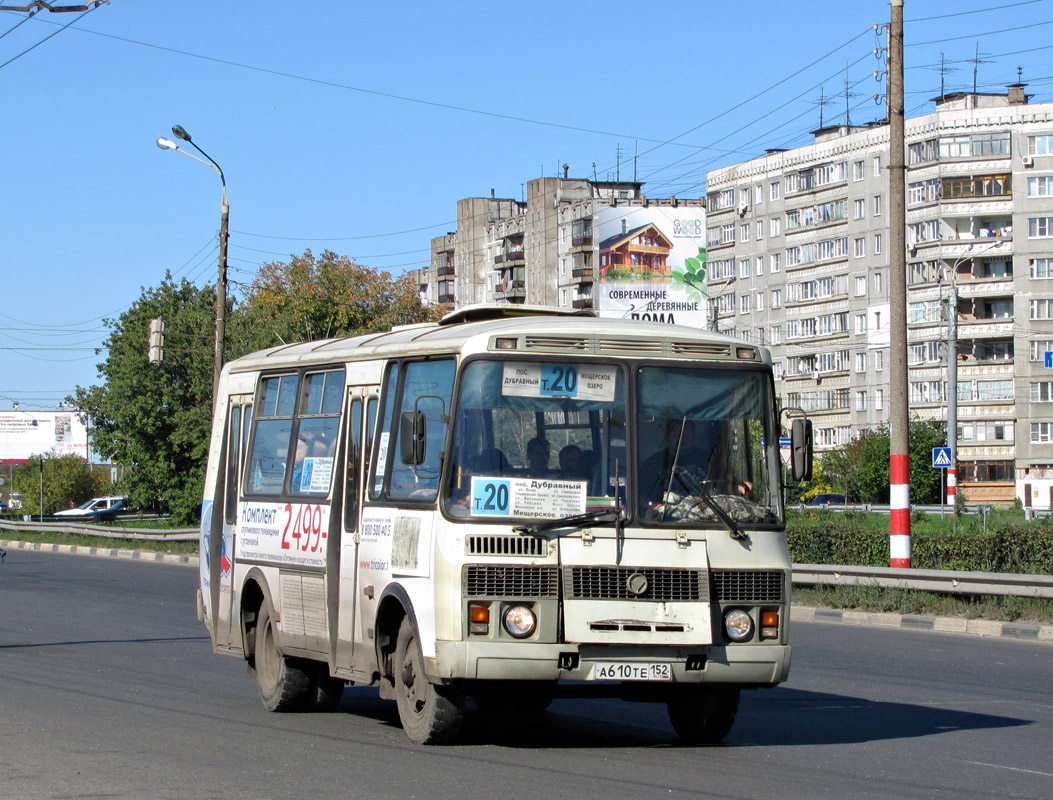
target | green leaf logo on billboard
[{"x": 693, "y": 278}]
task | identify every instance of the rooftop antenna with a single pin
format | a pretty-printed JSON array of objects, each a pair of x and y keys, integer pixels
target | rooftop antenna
[
  {"x": 849, "y": 94},
  {"x": 618, "y": 162},
  {"x": 594, "y": 178},
  {"x": 977, "y": 61},
  {"x": 821, "y": 102},
  {"x": 636, "y": 152}
]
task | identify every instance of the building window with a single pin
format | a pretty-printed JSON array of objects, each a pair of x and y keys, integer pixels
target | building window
[
  {"x": 859, "y": 208},
  {"x": 861, "y": 323},
  {"x": 776, "y": 369},
  {"x": 773, "y": 190},
  {"x": 876, "y": 160},
  {"x": 1041, "y": 432},
  {"x": 1042, "y": 392},
  {"x": 758, "y": 194},
  {"x": 1040, "y": 228},
  {"x": 760, "y": 265},
  {"x": 858, "y": 170},
  {"x": 1041, "y": 308},
  {"x": 879, "y": 355},
  {"x": 744, "y": 304},
  {"x": 760, "y": 231},
  {"x": 1040, "y": 268},
  {"x": 776, "y": 262},
  {"x": 879, "y": 399},
  {"x": 775, "y": 228},
  {"x": 877, "y": 244},
  {"x": 877, "y": 205},
  {"x": 1041, "y": 145},
  {"x": 861, "y": 401},
  {"x": 861, "y": 362},
  {"x": 760, "y": 301},
  {"x": 1042, "y": 186},
  {"x": 921, "y": 152},
  {"x": 745, "y": 232},
  {"x": 776, "y": 334},
  {"x": 878, "y": 283},
  {"x": 744, "y": 268},
  {"x": 776, "y": 298},
  {"x": 861, "y": 286},
  {"x": 926, "y": 392},
  {"x": 860, "y": 247},
  {"x": 1039, "y": 348}
]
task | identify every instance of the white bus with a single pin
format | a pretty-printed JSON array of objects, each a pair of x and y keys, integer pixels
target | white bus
[{"x": 510, "y": 505}]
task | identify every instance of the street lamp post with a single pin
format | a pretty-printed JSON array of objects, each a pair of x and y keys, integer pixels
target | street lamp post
[
  {"x": 714, "y": 310},
  {"x": 221, "y": 286},
  {"x": 952, "y": 375}
]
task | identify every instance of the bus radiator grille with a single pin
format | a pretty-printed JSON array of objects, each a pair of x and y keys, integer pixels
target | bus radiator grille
[
  {"x": 636, "y": 583},
  {"x": 510, "y": 581},
  {"x": 748, "y": 586},
  {"x": 482, "y": 545}
]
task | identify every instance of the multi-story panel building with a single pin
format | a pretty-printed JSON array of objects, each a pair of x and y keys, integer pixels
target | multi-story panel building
[
  {"x": 979, "y": 230},
  {"x": 543, "y": 251}
]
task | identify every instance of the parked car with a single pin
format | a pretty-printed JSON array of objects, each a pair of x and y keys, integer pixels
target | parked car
[
  {"x": 829, "y": 500},
  {"x": 94, "y": 507}
]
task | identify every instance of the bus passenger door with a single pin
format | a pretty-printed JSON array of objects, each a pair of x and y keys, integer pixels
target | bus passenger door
[
  {"x": 220, "y": 565},
  {"x": 362, "y": 406}
]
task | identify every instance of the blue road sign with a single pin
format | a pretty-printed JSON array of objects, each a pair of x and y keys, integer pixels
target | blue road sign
[
  {"x": 941, "y": 457},
  {"x": 1049, "y": 360}
]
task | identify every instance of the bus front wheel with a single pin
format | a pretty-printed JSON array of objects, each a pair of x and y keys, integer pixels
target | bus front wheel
[
  {"x": 430, "y": 714},
  {"x": 704, "y": 714},
  {"x": 284, "y": 686}
]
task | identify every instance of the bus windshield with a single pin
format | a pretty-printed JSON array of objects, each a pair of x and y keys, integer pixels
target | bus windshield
[
  {"x": 706, "y": 446},
  {"x": 545, "y": 440}
]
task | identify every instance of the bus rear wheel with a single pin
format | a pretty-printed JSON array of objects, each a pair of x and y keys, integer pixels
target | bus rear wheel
[
  {"x": 704, "y": 714},
  {"x": 430, "y": 714},
  {"x": 284, "y": 685}
]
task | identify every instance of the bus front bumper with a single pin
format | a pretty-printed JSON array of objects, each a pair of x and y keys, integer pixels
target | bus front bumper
[{"x": 747, "y": 665}]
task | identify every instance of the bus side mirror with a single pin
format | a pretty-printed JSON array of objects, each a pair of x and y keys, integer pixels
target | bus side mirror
[
  {"x": 412, "y": 433},
  {"x": 801, "y": 449}
]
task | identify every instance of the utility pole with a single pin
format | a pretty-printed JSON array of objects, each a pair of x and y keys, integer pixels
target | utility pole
[{"x": 899, "y": 458}]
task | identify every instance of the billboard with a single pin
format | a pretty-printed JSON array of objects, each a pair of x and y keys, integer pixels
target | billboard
[
  {"x": 652, "y": 264},
  {"x": 24, "y": 434}
]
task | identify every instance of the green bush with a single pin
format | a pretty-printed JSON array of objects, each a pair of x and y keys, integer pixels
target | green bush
[{"x": 852, "y": 539}]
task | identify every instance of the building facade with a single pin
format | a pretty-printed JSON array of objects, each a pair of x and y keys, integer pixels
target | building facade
[
  {"x": 798, "y": 260},
  {"x": 544, "y": 251}
]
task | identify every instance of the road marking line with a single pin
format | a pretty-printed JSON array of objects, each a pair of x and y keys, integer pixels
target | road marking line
[{"x": 1014, "y": 769}]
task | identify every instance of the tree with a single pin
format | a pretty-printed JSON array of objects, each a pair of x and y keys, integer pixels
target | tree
[
  {"x": 860, "y": 469},
  {"x": 316, "y": 298},
  {"x": 156, "y": 418},
  {"x": 67, "y": 481}
]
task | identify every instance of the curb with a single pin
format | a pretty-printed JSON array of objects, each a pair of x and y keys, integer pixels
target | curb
[
  {"x": 976, "y": 627},
  {"x": 102, "y": 552}
]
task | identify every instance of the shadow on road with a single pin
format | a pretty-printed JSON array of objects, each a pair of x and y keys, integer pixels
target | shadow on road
[{"x": 766, "y": 718}]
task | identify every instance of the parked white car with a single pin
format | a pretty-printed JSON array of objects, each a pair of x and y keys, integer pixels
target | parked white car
[{"x": 94, "y": 506}]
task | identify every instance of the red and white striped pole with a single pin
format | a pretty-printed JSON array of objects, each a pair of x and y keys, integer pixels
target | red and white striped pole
[
  {"x": 899, "y": 523},
  {"x": 899, "y": 459},
  {"x": 952, "y": 486}
]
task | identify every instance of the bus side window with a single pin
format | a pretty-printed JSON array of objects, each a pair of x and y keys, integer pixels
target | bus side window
[
  {"x": 230, "y": 492},
  {"x": 272, "y": 432},
  {"x": 352, "y": 485},
  {"x": 427, "y": 387}
]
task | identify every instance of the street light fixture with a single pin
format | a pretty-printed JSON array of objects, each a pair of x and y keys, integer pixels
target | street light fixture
[
  {"x": 221, "y": 287},
  {"x": 713, "y": 309},
  {"x": 952, "y": 373}
]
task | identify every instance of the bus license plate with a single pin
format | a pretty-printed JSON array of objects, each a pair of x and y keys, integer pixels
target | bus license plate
[{"x": 632, "y": 671}]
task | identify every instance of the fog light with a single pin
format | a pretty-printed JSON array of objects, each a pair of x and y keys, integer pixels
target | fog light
[
  {"x": 738, "y": 625},
  {"x": 520, "y": 621},
  {"x": 769, "y": 625},
  {"x": 479, "y": 619}
]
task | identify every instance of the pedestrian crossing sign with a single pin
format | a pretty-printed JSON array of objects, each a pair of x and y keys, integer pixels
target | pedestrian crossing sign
[{"x": 941, "y": 457}]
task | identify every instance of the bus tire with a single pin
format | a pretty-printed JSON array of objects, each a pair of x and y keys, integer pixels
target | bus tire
[
  {"x": 430, "y": 714},
  {"x": 284, "y": 684},
  {"x": 326, "y": 691},
  {"x": 704, "y": 714}
]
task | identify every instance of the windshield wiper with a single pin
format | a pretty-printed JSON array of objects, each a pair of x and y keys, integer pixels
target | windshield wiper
[
  {"x": 598, "y": 515},
  {"x": 699, "y": 488}
]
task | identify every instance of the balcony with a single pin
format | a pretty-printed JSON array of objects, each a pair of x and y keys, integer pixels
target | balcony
[
  {"x": 509, "y": 290},
  {"x": 582, "y": 302},
  {"x": 445, "y": 270},
  {"x": 446, "y": 297},
  {"x": 582, "y": 273},
  {"x": 511, "y": 258}
]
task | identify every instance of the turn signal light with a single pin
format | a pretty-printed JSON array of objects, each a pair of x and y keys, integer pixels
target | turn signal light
[
  {"x": 769, "y": 627},
  {"x": 479, "y": 619}
]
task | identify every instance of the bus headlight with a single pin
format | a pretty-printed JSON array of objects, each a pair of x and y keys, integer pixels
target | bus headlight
[
  {"x": 738, "y": 625},
  {"x": 520, "y": 621}
]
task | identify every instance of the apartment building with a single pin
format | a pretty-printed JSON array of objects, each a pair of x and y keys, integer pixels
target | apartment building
[
  {"x": 798, "y": 260},
  {"x": 545, "y": 250}
]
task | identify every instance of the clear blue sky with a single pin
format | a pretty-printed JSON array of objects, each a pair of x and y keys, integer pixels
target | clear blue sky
[{"x": 357, "y": 126}]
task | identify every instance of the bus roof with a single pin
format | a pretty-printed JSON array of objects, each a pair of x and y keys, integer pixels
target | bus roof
[{"x": 523, "y": 329}]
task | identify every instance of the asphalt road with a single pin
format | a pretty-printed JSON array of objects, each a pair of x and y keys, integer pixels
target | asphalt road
[{"x": 109, "y": 688}]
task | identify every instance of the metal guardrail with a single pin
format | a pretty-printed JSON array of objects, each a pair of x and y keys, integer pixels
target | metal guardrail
[
  {"x": 80, "y": 529},
  {"x": 929, "y": 580}
]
